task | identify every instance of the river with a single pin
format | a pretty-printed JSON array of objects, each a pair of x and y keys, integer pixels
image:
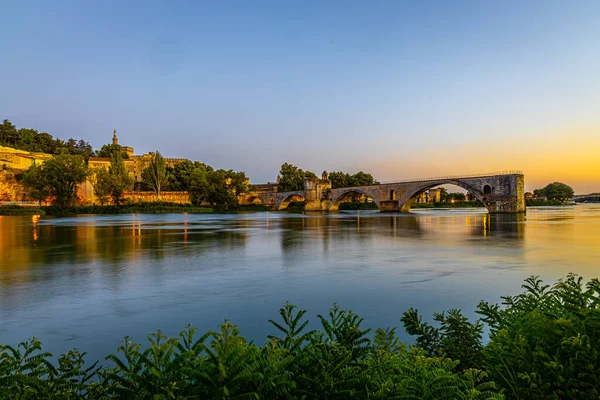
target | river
[{"x": 87, "y": 281}]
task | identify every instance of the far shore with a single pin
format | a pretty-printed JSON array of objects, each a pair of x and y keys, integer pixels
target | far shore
[{"x": 166, "y": 208}]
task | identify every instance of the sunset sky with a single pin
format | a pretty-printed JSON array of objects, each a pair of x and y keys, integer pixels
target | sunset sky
[{"x": 400, "y": 89}]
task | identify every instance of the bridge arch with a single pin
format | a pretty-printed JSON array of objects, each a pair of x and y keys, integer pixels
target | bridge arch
[
  {"x": 342, "y": 195},
  {"x": 410, "y": 196},
  {"x": 287, "y": 198},
  {"x": 255, "y": 200}
]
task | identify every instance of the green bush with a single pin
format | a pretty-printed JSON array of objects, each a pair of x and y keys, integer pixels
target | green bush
[
  {"x": 544, "y": 344},
  {"x": 338, "y": 361}
]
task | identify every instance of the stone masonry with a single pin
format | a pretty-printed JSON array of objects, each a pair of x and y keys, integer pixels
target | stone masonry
[{"x": 499, "y": 193}]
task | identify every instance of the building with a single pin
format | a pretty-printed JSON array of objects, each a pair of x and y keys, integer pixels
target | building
[
  {"x": 134, "y": 165},
  {"x": 430, "y": 196},
  {"x": 12, "y": 161},
  {"x": 127, "y": 149}
]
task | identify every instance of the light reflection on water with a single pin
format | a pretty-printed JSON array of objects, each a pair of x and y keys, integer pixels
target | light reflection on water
[{"x": 87, "y": 281}]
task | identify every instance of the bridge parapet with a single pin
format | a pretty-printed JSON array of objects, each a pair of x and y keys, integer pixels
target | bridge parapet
[{"x": 455, "y": 177}]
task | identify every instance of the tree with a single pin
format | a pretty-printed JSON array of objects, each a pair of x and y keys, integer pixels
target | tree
[
  {"x": 555, "y": 191},
  {"x": 85, "y": 149},
  {"x": 8, "y": 133},
  {"x": 341, "y": 179},
  {"x": 182, "y": 172},
  {"x": 108, "y": 149},
  {"x": 101, "y": 183},
  {"x": 362, "y": 179},
  {"x": 112, "y": 182},
  {"x": 120, "y": 181},
  {"x": 457, "y": 196},
  {"x": 198, "y": 185},
  {"x": 237, "y": 182},
  {"x": 62, "y": 174},
  {"x": 219, "y": 188},
  {"x": 35, "y": 183},
  {"x": 218, "y": 191},
  {"x": 292, "y": 178},
  {"x": 155, "y": 175},
  {"x": 338, "y": 179}
]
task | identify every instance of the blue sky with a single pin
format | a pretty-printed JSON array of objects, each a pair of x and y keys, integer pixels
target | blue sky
[{"x": 398, "y": 88}]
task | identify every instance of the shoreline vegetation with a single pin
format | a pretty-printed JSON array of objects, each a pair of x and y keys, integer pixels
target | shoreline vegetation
[
  {"x": 545, "y": 203},
  {"x": 138, "y": 208},
  {"x": 543, "y": 343},
  {"x": 166, "y": 207}
]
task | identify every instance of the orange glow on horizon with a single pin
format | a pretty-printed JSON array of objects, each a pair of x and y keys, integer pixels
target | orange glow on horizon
[{"x": 570, "y": 155}]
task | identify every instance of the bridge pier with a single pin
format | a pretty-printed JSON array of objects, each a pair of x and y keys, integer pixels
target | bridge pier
[
  {"x": 389, "y": 206},
  {"x": 316, "y": 205},
  {"x": 315, "y": 194}
]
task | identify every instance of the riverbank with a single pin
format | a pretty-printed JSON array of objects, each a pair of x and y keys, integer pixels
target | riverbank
[
  {"x": 165, "y": 207},
  {"x": 20, "y": 210},
  {"x": 340, "y": 359},
  {"x": 543, "y": 203},
  {"x": 456, "y": 204},
  {"x": 137, "y": 208}
]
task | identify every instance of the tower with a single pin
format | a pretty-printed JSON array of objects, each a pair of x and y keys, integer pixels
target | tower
[{"x": 115, "y": 139}]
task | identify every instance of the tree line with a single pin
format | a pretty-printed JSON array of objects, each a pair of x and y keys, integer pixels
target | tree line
[
  {"x": 42, "y": 142},
  {"x": 57, "y": 179},
  {"x": 291, "y": 178},
  {"x": 543, "y": 343},
  {"x": 32, "y": 140}
]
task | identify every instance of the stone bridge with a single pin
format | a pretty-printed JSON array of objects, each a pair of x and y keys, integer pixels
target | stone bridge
[{"x": 501, "y": 192}]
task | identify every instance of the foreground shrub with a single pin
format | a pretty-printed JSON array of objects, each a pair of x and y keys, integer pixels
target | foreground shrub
[
  {"x": 545, "y": 342},
  {"x": 543, "y": 345},
  {"x": 339, "y": 361}
]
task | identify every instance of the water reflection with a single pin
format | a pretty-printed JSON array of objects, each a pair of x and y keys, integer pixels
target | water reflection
[
  {"x": 69, "y": 280},
  {"x": 42, "y": 245}
]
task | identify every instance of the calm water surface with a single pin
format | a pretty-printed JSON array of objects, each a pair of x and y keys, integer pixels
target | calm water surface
[{"x": 87, "y": 281}]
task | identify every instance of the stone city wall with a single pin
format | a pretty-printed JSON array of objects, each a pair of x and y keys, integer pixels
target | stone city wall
[
  {"x": 10, "y": 189},
  {"x": 20, "y": 159}
]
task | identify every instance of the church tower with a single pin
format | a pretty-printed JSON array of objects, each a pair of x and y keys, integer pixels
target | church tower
[{"x": 115, "y": 139}]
